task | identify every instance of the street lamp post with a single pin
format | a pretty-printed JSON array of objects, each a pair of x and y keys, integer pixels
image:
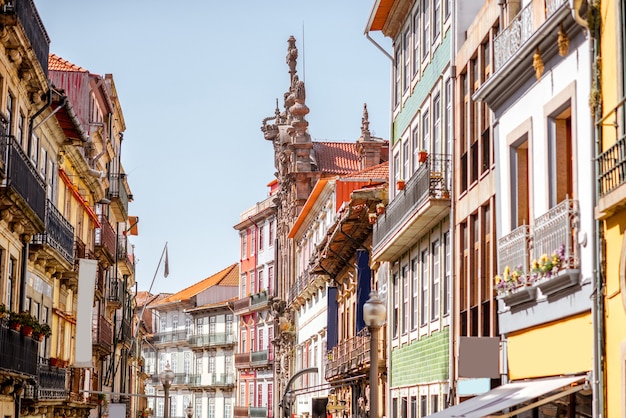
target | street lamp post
[
  {"x": 374, "y": 315},
  {"x": 189, "y": 410},
  {"x": 167, "y": 377}
]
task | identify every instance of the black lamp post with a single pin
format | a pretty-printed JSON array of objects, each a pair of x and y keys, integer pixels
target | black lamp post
[
  {"x": 374, "y": 315},
  {"x": 167, "y": 377}
]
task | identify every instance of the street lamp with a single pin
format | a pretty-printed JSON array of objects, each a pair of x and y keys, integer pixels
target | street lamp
[
  {"x": 166, "y": 377},
  {"x": 189, "y": 410},
  {"x": 374, "y": 315}
]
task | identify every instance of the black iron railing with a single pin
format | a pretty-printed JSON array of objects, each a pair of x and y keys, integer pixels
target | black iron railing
[
  {"x": 52, "y": 382},
  {"x": 19, "y": 353},
  {"x": 59, "y": 233}
]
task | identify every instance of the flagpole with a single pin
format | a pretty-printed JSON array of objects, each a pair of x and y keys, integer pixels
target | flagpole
[{"x": 143, "y": 308}]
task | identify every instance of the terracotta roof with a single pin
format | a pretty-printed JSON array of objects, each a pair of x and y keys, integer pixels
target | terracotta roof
[
  {"x": 380, "y": 171},
  {"x": 336, "y": 157},
  {"x": 227, "y": 277},
  {"x": 56, "y": 63}
]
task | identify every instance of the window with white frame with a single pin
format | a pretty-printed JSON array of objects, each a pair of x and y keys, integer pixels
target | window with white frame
[
  {"x": 396, "y": 298},
  {"x": 262, "y": 284},
  {"x": 243, "y": 285},
  {"x": 227, "y": 408},
  {"x": 242, "y": 394},
  {"x": 437, "y": 123},
  {"x": 251, "y": 394},
  {"x": 405, "y": 298},
  {"x": 270, "y": 278},
  {"x": 211, "y": 407},
  {"x": 252, "y": 282},
  {"x": 406, "y": 50},
  {"x": 426, "y": 130},
  {"x": 406, "y": 159},
  {"x": 198, "y": 365},
  {"x": 447, "y": 271},
  {"x": 188, "y": 326},
  {"x": 244, "y": 245},
  {"x": 414, "y": 292},
  {"x": 259, "y": 394},
  {"x": 261, "y": 340},
  {"x": 424, "y": 288},
  {"x": 163, "y": 325},
  {"x": 175, "y": 323},
  {"x": 448, "y": 115},
  {"x": 397, "y": 76},
  {"x": 396, "y": 168},
  {"x": 253, "y": 242},
  {"x": 243, "y": 341},
  {"x": 270, "y": 234},
  {"x": 415, "y": 142},
  {"x": 212, "y": 362},
  {"x": 187, "y": 364},
  {"x": 261, "y": 237},
  {"x": 425, "y": 27},
  {"x": 435, "y": 280},
  {"x": 416, "y": 40},
  {"x": 436, "y": 20}
]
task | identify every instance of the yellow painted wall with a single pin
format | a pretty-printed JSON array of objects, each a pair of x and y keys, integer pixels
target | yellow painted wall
[{"x": 562, "y": 347}]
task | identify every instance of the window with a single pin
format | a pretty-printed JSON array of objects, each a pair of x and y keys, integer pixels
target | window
[
  {"x": 406, "y": 46},
  {"x": 199, "y": 408},
  {"x": 261, "y": 340},
  {"x": 434, "y": 403},
  {"x": 413, "y": 410},
  {"x": 198, "y": 365},
  {"x": 244, "y": 245},
  {"x": 188, "y": 326},
  {"x": 242, "y": 394},
  {"x": 212, "y": 324},
  {"x": 426, "y": 130},
  {"x": 520, "y": 181},
  {"x": 447, "y": 131},
  {"x": 397, "y": 76},
  {"x": 415, "y": 289},
  {"x": 211, "y": 407},
  {"x": 405, "y": 299},
  {"x": 243, "y": 285},
  {"x": 227, "y": 409},
  {"x": 9, "y": 113},
  {"x": 446, "y": 8},
  {"x": 251, "y": 394},
  {"x": 252, "y": 282},
  {"x": 426, "y": 27},
  {"x": 229, "y": 323},
  {"x": 174, "y": 362},
  {"x": 175, "y": 323},
  {"x": 270, "y": 393},
  {"x": 10, "y": 281},
  {"x": 259, "y": 394},
  {"x": 447, "y": 271},
  {"x": 416, "y": 41},
  {"x": 212, "y": 362},
  {"x": 19, "y": 135},
  {"x": 270, "y": 233},
  {"x": 436, "y": 19},
  {"x": 437, "y": 124},
  {"x": 435, "y": 278},
  {"x": 163, "y": 324},
  {"x": 261, "y": 237},
  {"x": 423, "y": 405},
  {"x": 262, "y": 284},
  {"x": 244, "y": 341},
  {"x": 561, "y": 178},
  {"x": 187, "y": 364},
  {"x": 270, "y": 278},
  {"x": 416, "y": 147},
  {"x": 396, "y": 297},
  {"x": 404, "y": 407},
  {"x": 406, "y": 152},
  {"x": 424, "y": 288}
]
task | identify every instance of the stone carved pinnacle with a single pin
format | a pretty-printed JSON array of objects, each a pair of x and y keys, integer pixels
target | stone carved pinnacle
[
  {"x": 292, "y": 56},
  {"x": 365, "y": 124}
]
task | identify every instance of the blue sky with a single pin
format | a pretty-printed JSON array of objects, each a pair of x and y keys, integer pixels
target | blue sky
[{"x": 195, "y": 79}]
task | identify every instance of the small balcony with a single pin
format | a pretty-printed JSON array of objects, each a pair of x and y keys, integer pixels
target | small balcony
[
  {"x": 352, "y": 356},
  {"x": 242, "y": 360},
  {"x": 24, "y": 13},
  {"x": 116, "y": 293},
  {"x": 423, "y": 203},
  {"x": 21, "y": 186},
  {"x": 220, "y": 339},
  {"x": 102, "y": 334},
  {"x": 171, "y": 337},
  {"x": 19, "y": 353},
  {"x": 118, "y": 195},
  {"x": 612, "y": 163},
  {"x": 521, "y": 28},
  {"x": 59, "y": 234},
  {"x": 52, "y": 383},
  {"x": 242, "y": 305},
  {"x": 104, "y": 237},
  {"x": 212, "y": 380},
  {"x": 250, "y": 412},
  {"x": 125, "y": 255},
  {"x": 544, "y": 256}
]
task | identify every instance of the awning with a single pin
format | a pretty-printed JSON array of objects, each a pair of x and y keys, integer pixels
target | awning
[{"x": 512, "y": 394}]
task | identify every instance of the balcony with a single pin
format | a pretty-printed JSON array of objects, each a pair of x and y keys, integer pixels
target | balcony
[
  {"x": 52, "y": 383},
  {"x": 221, "y": 339},
  {"x": 59, "y": 234},
  {"x": 212, "y": 380},
  {"x": 19, "y": 353},
  {"x": 24, "y": 13},
  {"x": 118, "y": 195},
  {"x": 170, "y": 337},
  {"x": 260, "y": 358},
  {"x": 125, "y": 255},
  {"x": 551, "y": 245},
  {"x": 105, "y": 237},
  {"x": 102, "y": 334},
  {"x": 420, "y": 206},
  {"x": 242, "y": 360},
  {"x": 351, "y": 356},
  {"x": 116, "y": 293},
  {"x": 612, "y": 163},
  {"x": 21, "y": 186}
]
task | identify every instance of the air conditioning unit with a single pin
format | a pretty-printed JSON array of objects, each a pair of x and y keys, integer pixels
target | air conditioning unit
[{"x": 580, "y": 11}]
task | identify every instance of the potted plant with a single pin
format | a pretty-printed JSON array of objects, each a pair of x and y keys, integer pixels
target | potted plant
[
  {"x": 400, "y": 184},
  {"x": 15, "y": 321},
  {"x": 41, "y": 331},
  {"x": 102, "y": 399},
  {"x": 422, "y": 155},
  {"x": 372, "y": 217},
  {"x": 28, "y": 324},
  {"x": 445, "y": 193}
]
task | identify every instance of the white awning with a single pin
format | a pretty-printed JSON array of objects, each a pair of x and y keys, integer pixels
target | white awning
[{"x": 512, "y": 394}]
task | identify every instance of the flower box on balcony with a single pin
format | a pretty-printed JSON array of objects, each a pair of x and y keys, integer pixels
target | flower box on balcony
[
  {"x": 518, "y": 296},
  {"x": 559, "y": 281}
]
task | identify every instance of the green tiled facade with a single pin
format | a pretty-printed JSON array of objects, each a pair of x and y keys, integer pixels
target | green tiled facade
[
  {"x": 423, "y": 361},
  {"x": 435, "y": 69}
]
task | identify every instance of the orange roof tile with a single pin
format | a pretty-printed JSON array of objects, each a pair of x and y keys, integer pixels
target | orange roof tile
[
  {"x": 336, "y": 157},
  {"x": 227, "y": 277},
  {"x": 380, "y": 171},
  {"x": 56, "y": 63}
]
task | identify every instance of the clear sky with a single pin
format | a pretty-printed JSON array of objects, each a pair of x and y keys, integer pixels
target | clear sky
[{"x": 195, "y": 80}]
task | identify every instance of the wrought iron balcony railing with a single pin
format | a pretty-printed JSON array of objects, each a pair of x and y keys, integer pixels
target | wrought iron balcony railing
[
  {"x": 514, "y": 249},
  {"x": 212, "y": 340},
  {"x": 429, "y": 184},
  {"x": 59, "y": 233},
  {"x": 118, "y": 194},
  {"x": 22, "y": 178},
  {"x": 612, "y": 162},
  {"x": 19, "y": 354},
  {"x": 170, "y": 337},
  {"x": 102, "y": 332},
  {"x": 25, "y": 12},
  {"x": 52, "y": 383},
  {"x": 557, "y": 229},
  {"x": 104, "y": 236},
  {"x": 212, "y": 379},
  {"x": 351, "y": 356}
]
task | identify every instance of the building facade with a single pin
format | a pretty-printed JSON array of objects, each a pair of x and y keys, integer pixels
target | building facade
[{"x": 255, "y": 355}]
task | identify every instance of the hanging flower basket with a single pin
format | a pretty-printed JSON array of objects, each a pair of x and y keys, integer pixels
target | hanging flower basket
[
  {"x": 422, "y": 156},
  {"x": 400, "y": 184},
  {"x": 380, "y": 208}
]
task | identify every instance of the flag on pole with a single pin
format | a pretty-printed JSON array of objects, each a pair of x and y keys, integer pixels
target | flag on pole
[{"x": 166, "y": 270}]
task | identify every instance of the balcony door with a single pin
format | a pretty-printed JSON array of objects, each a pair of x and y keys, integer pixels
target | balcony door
[
  {"x": 520, "y": 183},
  {"x": 560, "y": 154}
]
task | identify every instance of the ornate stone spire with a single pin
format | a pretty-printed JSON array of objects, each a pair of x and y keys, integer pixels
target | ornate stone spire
[
  {"x": 365, "y": 124},
  {"x": 368, "y": 148}
]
